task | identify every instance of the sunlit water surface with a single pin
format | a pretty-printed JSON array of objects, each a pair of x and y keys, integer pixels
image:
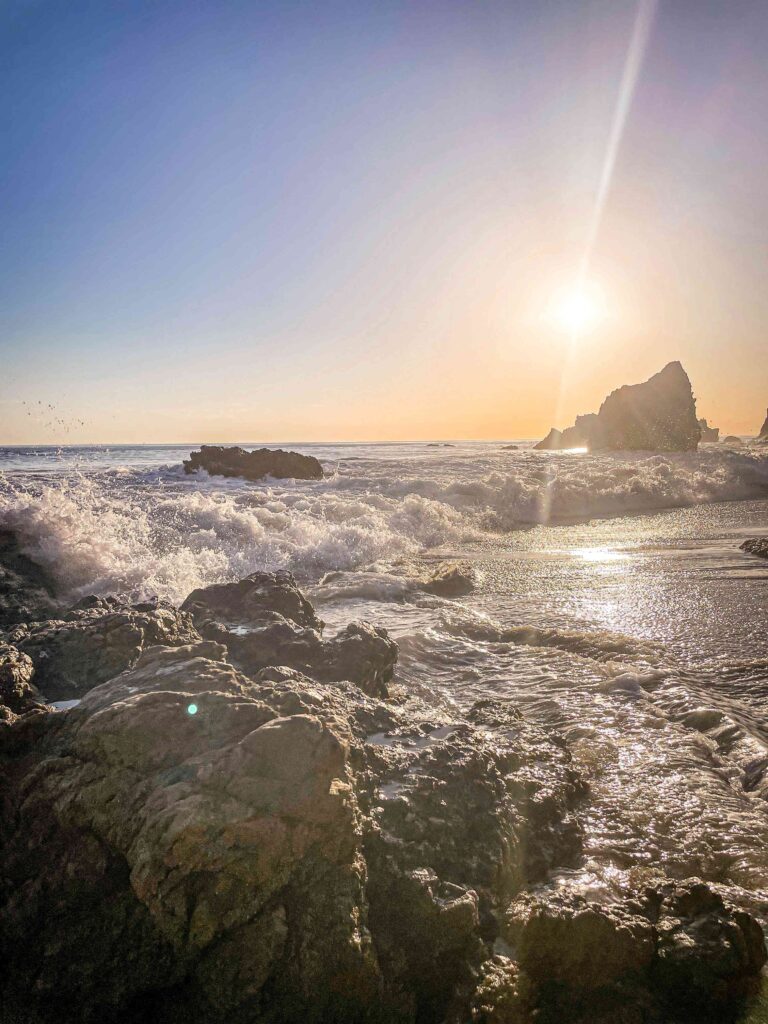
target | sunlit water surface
[{"x": 612, "y": 604}]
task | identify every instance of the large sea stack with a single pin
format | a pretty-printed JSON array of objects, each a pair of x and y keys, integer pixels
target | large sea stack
[
  {"x": 220, "y": 461},
  {"x": 657, "y": 415},
  {"x": 762, "y": 437}
]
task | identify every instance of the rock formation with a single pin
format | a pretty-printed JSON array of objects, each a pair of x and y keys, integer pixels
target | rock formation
[
  {"x": 732, "y": 439},
  {"x": 26, "y": 589},
  {"x": 708, "y": 433},
  {"x": 96, "y": 640},
  {"x": 453, "y": 579},
  {"x": 657, "y": 415},
  {"x": 255, "y": 465},
  {"x": 265, "y": 620},
  {"x": 762, "y": 437},
  {"x": 190, "y": 843},
  {"x": 756, "y": 546}
]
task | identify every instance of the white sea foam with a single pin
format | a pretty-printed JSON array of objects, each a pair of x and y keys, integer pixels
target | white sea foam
[{"x": 154, "y": 531}]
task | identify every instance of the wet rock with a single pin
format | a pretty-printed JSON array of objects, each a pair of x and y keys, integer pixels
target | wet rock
[
  {"x": 552, "y": 442},
  {"x": 96, "y": 640},
  {"x": 188, "y": 844},
  {"x": 510, "y": 447},
  {"x": 675, "y": 949},
  {"x": 265, "y": 620},
  {"x": 657, "y": 415},
  {"x": 451, "y": 580},
  {"x": 27, "y": 592},
  {"x": 17, "y": 692},
  {"x": 259, "y": 598},
  {"x": 708, "y": 433},
  {"x": 361, "y": 653},
  {"x": 254, "y": 465},
  {"x": 756, "y": 546},
  {"x": 732, "y": 439}
]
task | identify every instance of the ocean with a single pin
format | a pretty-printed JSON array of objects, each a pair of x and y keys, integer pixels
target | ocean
[{"x": 612, "y": 603}]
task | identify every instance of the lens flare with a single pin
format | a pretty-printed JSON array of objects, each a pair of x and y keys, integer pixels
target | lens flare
[{"x": 192, "y": 709}]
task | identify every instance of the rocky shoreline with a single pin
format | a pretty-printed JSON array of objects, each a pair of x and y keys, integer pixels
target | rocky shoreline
[{"x": 238, "y": 819}]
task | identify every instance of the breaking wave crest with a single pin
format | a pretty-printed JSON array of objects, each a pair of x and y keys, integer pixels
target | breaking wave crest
[{"x": 146, "y": 531}]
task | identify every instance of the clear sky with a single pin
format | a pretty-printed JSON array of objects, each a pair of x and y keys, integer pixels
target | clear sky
[{"x": 228, "y": 220}]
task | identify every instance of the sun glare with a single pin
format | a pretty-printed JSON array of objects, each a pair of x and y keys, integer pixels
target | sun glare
[{"x": 578, "y": 310}]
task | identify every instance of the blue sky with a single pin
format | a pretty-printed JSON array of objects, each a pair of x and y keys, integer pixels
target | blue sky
[{"x": 229, "y": 220}]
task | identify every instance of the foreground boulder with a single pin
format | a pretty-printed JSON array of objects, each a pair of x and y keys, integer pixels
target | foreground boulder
[
  {"x": 658, "y": 415},
  {"x": 675, "y": 950},
  {"x": 190, "y": 845},
  {"x": 756, "y": 546},
  {"x": 255, "y": 465},
  {"x": 709, "y": 434},
  {"x": 97, "y": 639},
  {"x": 27, "y": 592},
  {"x": 265, "y": 620}
]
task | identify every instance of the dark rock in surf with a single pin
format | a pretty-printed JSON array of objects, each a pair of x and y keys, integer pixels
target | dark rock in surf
[
  {"x": 289, "y": 851},
  {"x": 732, "y": 439},
  {"x": 255, "y": 600},
  {"x": 96, "y": 640},
  {"x": 657, "y": 415},
  {"x": 454, "y": 579},
  {"x": 709, "y": 434},
  {"x": 255, "y": 465},
  {"x": 756, "y": 546},
  {"x": 265, "y": 620},
  {"x": 762, "y": 437},
  {"x": 27, "y": 592},
  {"x": 17, "y": 692},
  {"x": 510, "y": 447}
]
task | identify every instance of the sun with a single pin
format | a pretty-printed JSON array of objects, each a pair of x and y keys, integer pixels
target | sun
[{"x": 578, "y": 309}]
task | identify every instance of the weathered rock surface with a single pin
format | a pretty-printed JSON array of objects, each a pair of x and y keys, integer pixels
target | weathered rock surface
[
  {"x": 252, "y": 861},
  {"x": 255, "y": 465},
  {"x": 255, "y": 600},
  {"x": 676, "y": 949},
  {"x": 657, "y": 415},
  {"x": 17, "y": 692},
  {"x": 265, "y": 620},
  {"x": 454, "y": 579},
  {"x": 708, "y": 433},
  {"x": 756, "y": 546},
  {"x": 26, "y": 590},
  {"x": 96, "y": 640},
  {"x": 762, "y": 437}
]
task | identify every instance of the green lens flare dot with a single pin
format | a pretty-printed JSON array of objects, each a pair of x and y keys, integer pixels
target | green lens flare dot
[{"x": 192, "y": 709}]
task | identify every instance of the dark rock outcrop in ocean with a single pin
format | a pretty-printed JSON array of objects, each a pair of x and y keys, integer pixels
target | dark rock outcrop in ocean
[
  {"x": 732, "y": 439},
  {"x": 454, "y": 579},
  {"x": 657, "y": 415},
  {"x": 255, "y": 465},
  {"x": 756, "y": 546},
  {"x": 265, "y": 620},
  {"x": 27, "y": 592},
  {"x": 762, "y": 437},
  {"x": 709, "y": 434}
]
